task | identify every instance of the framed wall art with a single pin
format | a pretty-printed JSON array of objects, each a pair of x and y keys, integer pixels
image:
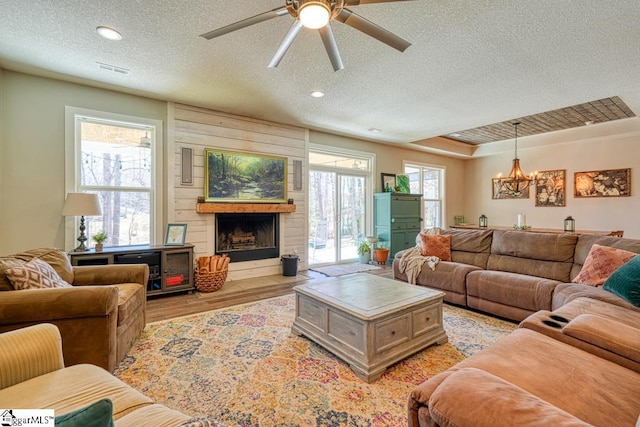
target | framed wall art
[
  {"x": 244, "y": 177},
  {"x": 602, "y": 183},
  {"x": 499, "y": 191},
  {"x": 551, "y": 188}
]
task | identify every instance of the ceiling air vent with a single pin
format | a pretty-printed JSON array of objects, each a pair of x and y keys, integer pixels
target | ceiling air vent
[{"x": 113, "y": 68}]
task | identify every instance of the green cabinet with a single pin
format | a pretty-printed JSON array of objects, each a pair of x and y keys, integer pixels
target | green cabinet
[{"x": 397, "y": 220}]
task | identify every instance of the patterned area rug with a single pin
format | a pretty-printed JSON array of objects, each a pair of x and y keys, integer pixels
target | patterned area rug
[
  {"x": 243, "y": 366},
  {"x": 342, "y": 269}
]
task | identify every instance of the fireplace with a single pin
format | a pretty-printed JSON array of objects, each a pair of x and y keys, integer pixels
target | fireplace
[{"x": 247, "y": 236}]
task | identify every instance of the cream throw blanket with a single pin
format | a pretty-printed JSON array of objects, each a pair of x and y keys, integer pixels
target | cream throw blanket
[{"x": 411, "y": 263}]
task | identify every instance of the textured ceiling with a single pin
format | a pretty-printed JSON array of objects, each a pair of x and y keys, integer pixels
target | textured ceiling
[{"x": 471, "y": 63}]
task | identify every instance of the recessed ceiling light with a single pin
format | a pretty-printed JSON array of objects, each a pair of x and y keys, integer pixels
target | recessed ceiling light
[
  {"x": 317, "y": 94},
  {"x": 455, "y": 135},
  {"x": 375, "y": 130},
  {"x": 588, "y": 122},
  {"x": 109, "y": 33}
]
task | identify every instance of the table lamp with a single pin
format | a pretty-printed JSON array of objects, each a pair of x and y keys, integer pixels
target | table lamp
[{"x": 81, "y": 204}]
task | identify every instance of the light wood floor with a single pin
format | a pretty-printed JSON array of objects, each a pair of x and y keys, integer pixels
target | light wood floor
[{"x": 232, "y": 293}]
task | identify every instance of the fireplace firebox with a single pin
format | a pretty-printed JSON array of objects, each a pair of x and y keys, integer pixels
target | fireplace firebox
[{"x": 247, "y": 236}]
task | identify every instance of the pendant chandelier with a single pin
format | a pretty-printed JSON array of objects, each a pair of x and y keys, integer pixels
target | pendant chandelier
[{"x": 517, "y": 181}]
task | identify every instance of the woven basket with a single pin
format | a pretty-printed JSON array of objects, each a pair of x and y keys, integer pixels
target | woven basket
[{"x": 210, "y": 282}]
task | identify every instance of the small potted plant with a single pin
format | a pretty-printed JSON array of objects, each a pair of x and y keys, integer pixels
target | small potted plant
[
  {"x": 99, "y": 238},
  {"x": 364, "y": 252},
  {"x": 381, "y": 253}
]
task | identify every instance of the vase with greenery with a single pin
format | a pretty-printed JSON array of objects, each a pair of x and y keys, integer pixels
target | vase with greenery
[
  {"x": 364, "y": 252},
  {"x": 99, "y": 238}
]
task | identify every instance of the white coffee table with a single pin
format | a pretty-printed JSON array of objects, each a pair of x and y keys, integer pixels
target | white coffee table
[{"x": 369, "y": 321}]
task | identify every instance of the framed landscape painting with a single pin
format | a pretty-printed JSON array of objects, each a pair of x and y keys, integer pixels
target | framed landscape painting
[
  {"x": 551, "y": 188},
  {"x": 499, "y": 191},
  {"x": 603, "y": 183},
  {"x": 244, "y": 177}
]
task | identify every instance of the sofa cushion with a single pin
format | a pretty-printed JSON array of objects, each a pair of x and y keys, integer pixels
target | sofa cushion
[
  {"x": 492, "y": 402},
  {"x": 97, "y": 414},
  {"x": 35, "y": 274},
  {"x": 625, "y": 281},
  {"x": 131, "y": 298},
  {"x": 531, "y": 293},
  {"x": 600, "y": 263},
  {"x": 564, "y": 293},
  {"x": 535, "y": 254},
  {"x": 436, "y": 245},
  {"x": 470, "y": 246}
]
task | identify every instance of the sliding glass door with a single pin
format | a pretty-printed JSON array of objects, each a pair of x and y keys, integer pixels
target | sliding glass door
[{"x": 338, "y": 220}]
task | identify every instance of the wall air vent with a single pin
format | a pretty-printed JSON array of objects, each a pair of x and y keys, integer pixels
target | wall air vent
[{"x": 113, "y": 68}]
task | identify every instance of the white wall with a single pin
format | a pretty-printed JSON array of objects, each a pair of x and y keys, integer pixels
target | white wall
[{"x": 605, "y": 146}]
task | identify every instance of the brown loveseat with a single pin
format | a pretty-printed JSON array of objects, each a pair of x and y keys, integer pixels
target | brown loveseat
[
  {"x": 98, "y": 323},
  {"x": 513, "y": 274}
]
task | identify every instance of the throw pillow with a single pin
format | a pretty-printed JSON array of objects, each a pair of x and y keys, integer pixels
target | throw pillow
[
  {"x": 5, "y": 264},
  {"x": 436, "y": 245},
  {"x": 625, "y": 281},
  {"x": 600, "y": 263},
  {"x": 35, "y": 274},
  {"x": 98, "y": 414}
]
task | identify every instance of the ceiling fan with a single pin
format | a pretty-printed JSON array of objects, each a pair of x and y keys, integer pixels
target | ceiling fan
[{"x": 317, "y": 14}]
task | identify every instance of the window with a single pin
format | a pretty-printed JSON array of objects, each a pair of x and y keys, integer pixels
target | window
[
  {"x": 117, "y": 159},
  {"x": 428, "y": 181}
]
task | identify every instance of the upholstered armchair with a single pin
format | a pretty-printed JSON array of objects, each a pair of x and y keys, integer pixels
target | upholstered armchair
[{"x": 99, "y": 316}]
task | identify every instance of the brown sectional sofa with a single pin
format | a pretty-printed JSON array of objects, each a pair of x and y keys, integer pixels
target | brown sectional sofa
[
  {"x": 99, "y": 318},
  {"x": 514, "y": 274},
  {"x": 574, "y": 361}
]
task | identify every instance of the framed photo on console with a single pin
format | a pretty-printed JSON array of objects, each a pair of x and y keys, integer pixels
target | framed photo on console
[{"x": 175, "y": 234}]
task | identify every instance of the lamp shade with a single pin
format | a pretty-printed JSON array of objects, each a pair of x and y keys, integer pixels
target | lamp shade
[{"x": 81, "y": 204}]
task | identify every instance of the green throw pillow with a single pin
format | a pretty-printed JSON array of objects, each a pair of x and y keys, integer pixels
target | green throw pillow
[
  {"x": 625, "y": 281},
  {"x": 97, "y": 414}
]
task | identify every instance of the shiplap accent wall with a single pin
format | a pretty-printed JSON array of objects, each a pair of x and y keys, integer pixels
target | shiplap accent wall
[{"x": 198, "y": 129}]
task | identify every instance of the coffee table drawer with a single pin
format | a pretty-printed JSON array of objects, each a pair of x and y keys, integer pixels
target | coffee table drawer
[
  {"x": 425, "y": 320},
  {"x": 391, "y": 332},
  {"x": 311, "y": 311},
  {"x": 346, "y": 330}
]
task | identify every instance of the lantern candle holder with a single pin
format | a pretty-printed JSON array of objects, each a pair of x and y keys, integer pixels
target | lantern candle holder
[{"x": 569, "y": 224}]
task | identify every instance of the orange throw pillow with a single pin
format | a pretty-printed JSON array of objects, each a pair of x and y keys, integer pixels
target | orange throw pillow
[
  {"x": 436, "y": 245},
  {"x": 600, "y": 263}
]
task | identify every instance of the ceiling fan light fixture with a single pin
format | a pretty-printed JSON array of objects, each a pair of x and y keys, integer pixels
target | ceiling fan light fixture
[{"x": 314, "y": 14}]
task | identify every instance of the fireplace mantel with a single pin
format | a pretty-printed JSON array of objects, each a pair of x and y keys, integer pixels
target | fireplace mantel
[{"x": 212, "y": 208}]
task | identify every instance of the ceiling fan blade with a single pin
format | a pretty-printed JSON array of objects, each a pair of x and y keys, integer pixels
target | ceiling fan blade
[
  {"x": 331, "y": 47},
  {"x": 377, "y": 32},
  {"x": 359, "y": 2},
  {"x": 286, "y": 43},
  {"x": 281, "y": 11}
]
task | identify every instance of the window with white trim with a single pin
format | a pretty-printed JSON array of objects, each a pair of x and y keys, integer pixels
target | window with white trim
[
  {"x": 428, "y": 181},
  {"x": 116, "y": 158}
]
